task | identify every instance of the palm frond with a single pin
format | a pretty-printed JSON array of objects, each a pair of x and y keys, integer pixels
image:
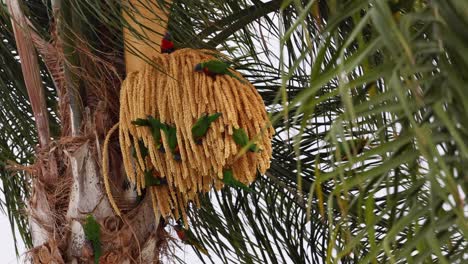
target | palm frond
[
  {"x": 397, "y": 191},
  {"x": 381, "y": 71},
  {"x": 18, "y": 136}
]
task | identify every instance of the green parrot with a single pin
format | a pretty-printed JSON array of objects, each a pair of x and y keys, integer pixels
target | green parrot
[
  {"x": 202, "y": 125},
  {"x": 189, "y": 238},
  {"x": 92, "y": 231},
  {"x": 150, "y": 180},
  {"x": 171, "y": 137},
  {"x": 143, "y": 150},
  {"x": 355, "y": 146},
  {"x": 141, "y": 122},
  {"x": 241, "y": 139},
  {"x": 215, "y": 67},
  {"x": 229, "y": 180},
  {"x": 155, "y": 126}
]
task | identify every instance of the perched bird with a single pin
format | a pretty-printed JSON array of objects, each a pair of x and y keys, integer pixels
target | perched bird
[
  {"x": 151, "y": 180},
  {"x": 355, "y": 146},
  {"x": 241, "y": 139},
  {"x": 202, "y": 125},
  {"x": 215, "y": 67},
  {"x": 229, "y": 180},
  {"x": 141, "y": 122},
  {"x": 155, "y": 127},
  {"x": 167, "y": 46},
  {"x": 171, "y": 137},
  {"x": 92, "y": 231},
  {"x": 189, "y": 238}
]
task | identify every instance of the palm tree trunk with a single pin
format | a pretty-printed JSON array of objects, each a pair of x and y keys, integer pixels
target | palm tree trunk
[
  {"x": 68, "y": 186},
  {"x": 39, "y": 208}
]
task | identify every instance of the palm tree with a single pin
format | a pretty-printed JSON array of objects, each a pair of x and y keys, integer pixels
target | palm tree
[{"x": 366, "y": 98}]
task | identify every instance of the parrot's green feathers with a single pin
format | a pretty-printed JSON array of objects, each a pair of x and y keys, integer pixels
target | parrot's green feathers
[
  {"x": 254, "y": 148},
  {"x": 171, "y": 136},
  {"x": 189, "y": 238},
  {"x": 155, "y": 123},
  {"x": 156, "y": 127},
  {"x": 235, "y": 76},
  {"x": 172, "y": 139},
  {"x": 92, "y": 232},
  {"x": 228, "y": 175},
  {"x": 91, "y": 228},
  {"x": 202, "y": 125},
  {"x": 201, "y": 248},
  {"x": 241, "y": 139},
  {"x": 143, "y": 150},
  {"x": 213, "y": 117},
  {"x": 229, "y": 180},
  {"x": 216, "y": 66},
  {"x": 150, "y": 180},
  {"x": 141, "y": 122}
]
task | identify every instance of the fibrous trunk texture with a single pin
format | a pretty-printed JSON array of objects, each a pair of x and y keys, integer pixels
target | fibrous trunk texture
[
  {"x": 66, "y": 178},
  {"x": 58, "y": 213}
]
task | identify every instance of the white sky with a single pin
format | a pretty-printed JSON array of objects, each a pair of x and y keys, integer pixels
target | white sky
[{"x": 7, "y": 248}]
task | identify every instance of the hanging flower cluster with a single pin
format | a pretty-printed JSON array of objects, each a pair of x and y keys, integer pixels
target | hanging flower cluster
[{"x": 188, "y": 123}]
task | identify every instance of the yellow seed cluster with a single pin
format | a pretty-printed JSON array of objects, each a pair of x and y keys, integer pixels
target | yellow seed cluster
[{"x": 177, "y": 95}]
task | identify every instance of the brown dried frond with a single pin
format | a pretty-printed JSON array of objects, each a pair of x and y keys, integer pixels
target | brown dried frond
[
  {"x": 101, "y": 74},
  {"x": 53, "y": 57},
  {"x": 15, "y": 167},
  {"x": 46, "y": 253}
]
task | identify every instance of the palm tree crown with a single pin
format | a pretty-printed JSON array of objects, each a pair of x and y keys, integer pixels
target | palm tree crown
[{"x": 366, "y": 99}]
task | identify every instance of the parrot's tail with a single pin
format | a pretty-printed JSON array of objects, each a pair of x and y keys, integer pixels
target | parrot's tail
[
  {"x": 236, "y": 77},
  {"x": 201, "y": 248}
]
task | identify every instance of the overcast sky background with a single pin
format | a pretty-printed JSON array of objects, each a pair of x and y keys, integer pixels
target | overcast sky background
[{"x": 7, "y": 246}]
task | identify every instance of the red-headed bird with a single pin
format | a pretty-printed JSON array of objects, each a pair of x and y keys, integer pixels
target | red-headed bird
[
  {"x": 189, "y": 238},
  {"x": 167, "y": 46}
]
